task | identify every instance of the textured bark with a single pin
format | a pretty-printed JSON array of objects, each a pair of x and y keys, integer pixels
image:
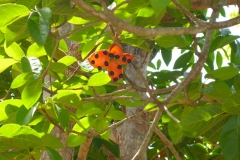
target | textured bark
[{"x": 130, "y": 135}]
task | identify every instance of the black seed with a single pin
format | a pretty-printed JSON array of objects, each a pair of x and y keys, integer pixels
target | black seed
[
  {"x": 117, "y": 56},
  {"x": 99, "y": 68},
  {"x": 115, "y": 79},
  {"x": 124, "y": 58},
  {"x": 106, "y": 63},
  {"x": 121, "y": 76},
  {"x": 111, "y": 73},
  {"x": 96, "y": 55},
  {"x": 105, "y": 52},
  {"x": 129, "y": 60},
  {"x": 119, "y": 67},
  {"x": 111, "y": 55},
  {"x": 92, "y": 62}
]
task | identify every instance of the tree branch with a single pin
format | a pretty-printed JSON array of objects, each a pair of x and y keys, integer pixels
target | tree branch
[
  {"x": 168, "y": 143},
  {"x": 111, "y": 19},
  {"x": 84, "y": 148}
]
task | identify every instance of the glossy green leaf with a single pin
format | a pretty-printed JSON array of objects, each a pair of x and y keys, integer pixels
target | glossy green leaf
[
  {"x": 31, "y": 93},
  {"x": 230, "y": 138},
  {"x": 213, "y": 135},
  {"x": 159, "y": 6},
  {"x": 14, "y": 51},
  {"x": 222, "y": 41},
  {"x": 99, "y": 79},
  {"x": 165, "y": 75},
  {"x": 38, "y": 28},
  {"x": 175, "y": 131},
  {"x": 103, "y": 124},
  {"x": 235, "y": 52},
  {"x": 46, "y": 13},
  {"x": 219, "y": 60},
  {"x": 75, "y": 140},
  {"x": 30, "y": 4},
  {"x": 26, "y": 66},
  {"x": 223, "y": 73},
  {"x": 183, "y": 60},
  {"x": 146, "y": 12},
  {"x": 63, "y": 10},
  {"x": 135, "y": 5},
  {"x": 8, "y": 109},
  {"x": 49, "y": 140},
  {"x": 88, "y": 112},
  {"x": 49, "y": 45},
  {"x": 87, "y": 48},
  {"x": 48, "y": 3},
  {"x": 53, "y": 154},
  {"x": 115, "y": 115},
  {"x": 129, "y": 102},
  {"x": 62, "y": 115},
  {"x": 67, "y": 60},
  {"x": 201, "y": 119},
  {"x": 166, "y": 55},
  {"x": 16, "y": 31},
  {"x": 24, "y": 116},
  {"x": 166, "y": 41},
  {"x": 217, "y": 91},
  {"x": 232, "y": 103},
  {"x": 5, "y": 63},
  {"x": 58, "y": 67},
  {"x": 68, "y": 98},
  {"x": 16, "y": 11},
  {"x": 236, "y": 83},
  {"x": 36, "y": 51}
]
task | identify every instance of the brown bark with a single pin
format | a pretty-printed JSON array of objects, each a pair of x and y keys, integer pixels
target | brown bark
[
  {"x": 130, "y": 135},
  {"x": 203, "y": 4}
]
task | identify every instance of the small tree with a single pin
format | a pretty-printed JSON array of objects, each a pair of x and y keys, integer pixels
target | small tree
[{"x": 55, "y": 105}]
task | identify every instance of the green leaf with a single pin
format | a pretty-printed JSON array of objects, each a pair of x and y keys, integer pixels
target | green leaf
[
  {"x": 75, "y": 140},
  {"x": 5, "y": 63},
  {"x": 219, "y": 59},
  {"x": 236, "y": 83},
  {"x": 99, "y": 79},
  {"x": 32, "y": 92},
  {"x": 67, "y": 60},
  {"x": 8, "y": 109},
  {"x": 103, "y": 124},
  {"x": 87, "y": 48},
  {"x": 53, "y": 154},
  {"x": 36, "y": 51},
  {"x": 116, "y": 115},
  {"x": 166, "y": 55},
  {"x": 46, "y": 13},
  {"x": 14, "y": 51},
  {"x": 49, "y": 140},
  {"x": 166, "y": 41},
  {"x": 38, "y": 28},
  {"x": 222, "y": 41},
  {"x": 223, "y": 73},
  {"x": 159, "y": 6},
  {"x": 217, "y": 91},
  {"x": 58, "y": 67},
  {"x": 24, "y": 116},
  {"x": 17, "y": 11},
  {"x": 129, "y": 102},
  {"x": 62, "y": 115},
  {"x": 230, "y": 138},
  {"x": 183, "y": 60},
  {"x": 68, "y": 98},
  {"x": 48, "y": 3},
  {"x": 63, "y": 10},
  {"x": 175, "y": 131},
  {"x": 16, "y": 31},
  {"x": 35, "y": 65},
  {"x": 26, "y": 66},
  {"x": 88, "y": 112},
  {"x": 27, "y": 3},
  {"x": 235, "y": 52},
  {"x": 145, "y": 12},
  {"x": 232, "y": 104},
  {"x": 135, "y": 5},
  {"x": 20, "y": 137},
  {"x": 201, "y": 119},
  {"x": 49, "y": 45}
]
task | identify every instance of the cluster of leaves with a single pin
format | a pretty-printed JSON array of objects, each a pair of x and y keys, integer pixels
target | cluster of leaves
[{"x": 31, "y": 50}]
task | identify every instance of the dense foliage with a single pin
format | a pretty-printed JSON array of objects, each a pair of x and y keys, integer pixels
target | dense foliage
[{"x": 42, "y": 87}]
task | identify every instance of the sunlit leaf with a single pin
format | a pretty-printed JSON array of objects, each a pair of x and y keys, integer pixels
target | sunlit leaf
[{"x": 99, "y": 79}]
